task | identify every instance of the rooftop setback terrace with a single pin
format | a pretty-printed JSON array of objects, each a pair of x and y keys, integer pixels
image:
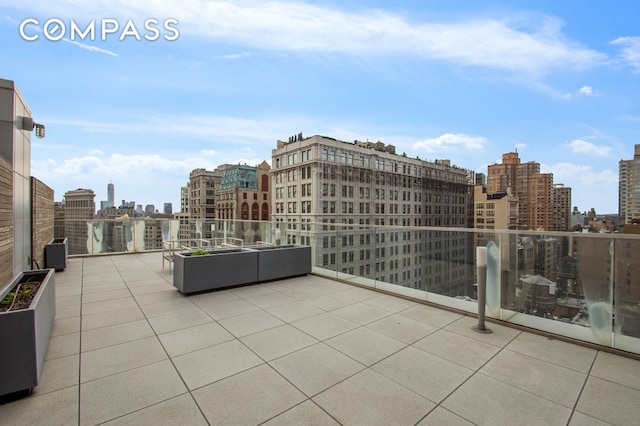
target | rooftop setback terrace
[{"x": 127, "y": 348}]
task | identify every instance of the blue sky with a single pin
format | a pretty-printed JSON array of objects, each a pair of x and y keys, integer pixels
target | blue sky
[{"x": 557, "y": 80}]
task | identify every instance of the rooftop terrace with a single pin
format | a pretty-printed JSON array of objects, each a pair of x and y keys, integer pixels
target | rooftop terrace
[{"x": 127, "y": 348}]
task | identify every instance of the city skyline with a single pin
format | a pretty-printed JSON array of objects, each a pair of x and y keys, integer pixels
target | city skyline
[{"x": 461, "y": 80}]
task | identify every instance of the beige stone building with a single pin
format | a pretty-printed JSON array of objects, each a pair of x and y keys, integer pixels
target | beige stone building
[
  {"x": 202, "y": 190},
  {"x": 494, "y": 211},
  {"x": 320, "y": 181},
  {"x": 628, "y": 188}
]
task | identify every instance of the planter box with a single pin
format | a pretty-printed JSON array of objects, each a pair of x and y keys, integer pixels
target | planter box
[
  {"x": 277, "y": 262},
  {"x": 25, "y": 334},
  {"x": 55, "y": 254},
  {"x": 220, "y": 269}
]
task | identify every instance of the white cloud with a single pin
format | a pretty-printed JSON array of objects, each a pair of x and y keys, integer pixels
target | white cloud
[
  {"x": 589, "y": 187},
  {"x": 90, "y": 48},
  {"x": 586, "y": 90},
  {"x": 532, "y": 44},
  {"x": 580, "y": 146},
  {"x": 96, "y": 152},
  {"x": 630, "y": 54},
  {"x": 583, "y": 91},
  {"x": 213, "y": 128},
  {"x": 117, "y": 165},
  {"x": 580, "y": 174},
  {"x": 450, "y": 140},
  {"x": 521, "y": 145},
  {"x": 236, "y": 55}
]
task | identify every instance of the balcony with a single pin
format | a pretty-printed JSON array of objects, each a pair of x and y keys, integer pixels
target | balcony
[
  {"x": 576, "y": 285},
  {"x": 127, "y": 348}
]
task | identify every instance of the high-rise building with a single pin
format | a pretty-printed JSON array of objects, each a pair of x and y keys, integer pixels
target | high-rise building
[
  {"x": 535, "y": 192},
  {"x": 79, "y": 207},
  {"x": 562, "y": 207},
  {"x": 149, "y": 209},
  {"x": 105, "y": 205},
  {"x": 184, "y": 198},
  {"x": 244, "y": 193},
  {"x": 327, "y": 181},
  {"x": 111, "y": 195},
  {"x": 202, "y": 187},
  {"x": 168, "y": 208},
  {"x": 629, "y": 188}
]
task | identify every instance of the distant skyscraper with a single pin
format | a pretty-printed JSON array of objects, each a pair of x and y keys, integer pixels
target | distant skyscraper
[
  {"x": 110, "y": 194},
  {"x": 168, "y": 208},
  {"x": 628, "y": 188},
  {"x": 184, "y": 198},
  {"x": 562, "y": 207},
  {"x": 202, "y": 187},
  {"x": 149, "y": 209},
  {"x": 535, "y": 192},
  {"x": 79, "y": 207}
]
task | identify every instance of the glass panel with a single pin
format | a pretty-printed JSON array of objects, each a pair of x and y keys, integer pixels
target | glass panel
[
  {"x": 561, "y": 283},
  {"x": 627, "y": 295}
]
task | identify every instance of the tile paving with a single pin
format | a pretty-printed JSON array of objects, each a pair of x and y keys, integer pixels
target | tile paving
[{"x": 127, "y": 348}]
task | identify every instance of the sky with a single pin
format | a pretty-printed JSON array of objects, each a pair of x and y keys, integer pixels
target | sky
[{"x": 169, "y": 86}]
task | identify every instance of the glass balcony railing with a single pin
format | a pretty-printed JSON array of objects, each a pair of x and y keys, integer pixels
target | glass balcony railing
[{"x": 578, "y": 285}]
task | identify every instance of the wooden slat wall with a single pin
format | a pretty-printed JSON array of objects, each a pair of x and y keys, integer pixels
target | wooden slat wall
[
  {"x": 6, "y": 221},
  {"x": 42, "y": 216}
]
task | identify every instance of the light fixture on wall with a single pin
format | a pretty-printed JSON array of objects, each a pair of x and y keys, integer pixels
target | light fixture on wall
[
  {"x": 39, "y": 130},
  {"x": 30, "y": 125}
]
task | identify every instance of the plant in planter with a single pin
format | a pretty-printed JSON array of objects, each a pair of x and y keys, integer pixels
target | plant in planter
[
  {"x": 202, "y": 270},
  {"x": 20, "y": 297},
  {"x": 25, "y": 328}
]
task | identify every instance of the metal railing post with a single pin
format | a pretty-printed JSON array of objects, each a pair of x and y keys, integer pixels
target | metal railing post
[{"x": 481, "y": 269}]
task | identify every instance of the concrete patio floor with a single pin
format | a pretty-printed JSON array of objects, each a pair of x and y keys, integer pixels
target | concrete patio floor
[{"x": 127, "y": 348}]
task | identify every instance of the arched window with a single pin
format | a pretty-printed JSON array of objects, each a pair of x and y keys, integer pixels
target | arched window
[
  {"x": 265, "y": 211},
  {"x": 254, "y": 211},
  {"x": 265, "y": 183},
  {"x": 245, "y": 211}
]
